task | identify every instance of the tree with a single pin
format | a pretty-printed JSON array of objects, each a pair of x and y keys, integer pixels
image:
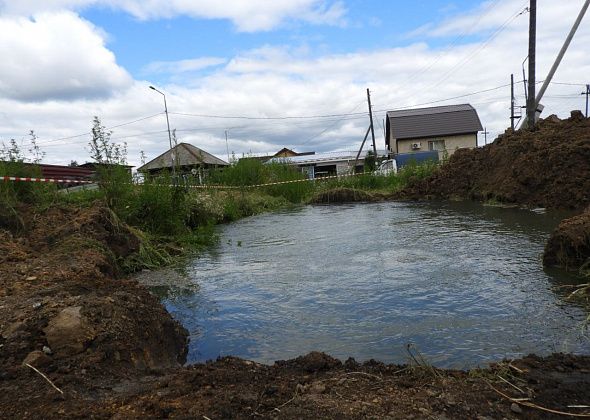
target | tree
[{"x": 102, "y": 149}]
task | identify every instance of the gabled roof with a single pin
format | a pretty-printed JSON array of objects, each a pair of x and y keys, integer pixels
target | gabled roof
[
  {"x": 434, "y": 121},
  {"x": 323, "y": 157},
  {"x": 186, "y": 155}
]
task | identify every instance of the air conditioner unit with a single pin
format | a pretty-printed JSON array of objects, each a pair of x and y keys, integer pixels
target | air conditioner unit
[{"x": 416, "y": 146}]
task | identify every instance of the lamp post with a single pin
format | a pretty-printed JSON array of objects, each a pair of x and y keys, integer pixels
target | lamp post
[{"x": 168, "y": 124}]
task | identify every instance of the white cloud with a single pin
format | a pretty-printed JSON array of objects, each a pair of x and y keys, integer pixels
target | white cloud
[
  {"x": 56, "y": 56},
  {"x": 274, "y": 81},
  {"x": 247, "y": 16}
]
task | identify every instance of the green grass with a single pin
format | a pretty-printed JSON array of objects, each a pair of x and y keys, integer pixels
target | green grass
[{"x": 171, "y": 220}]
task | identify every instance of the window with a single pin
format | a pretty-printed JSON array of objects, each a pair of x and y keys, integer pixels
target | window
[{"x": 437, "y": 145}]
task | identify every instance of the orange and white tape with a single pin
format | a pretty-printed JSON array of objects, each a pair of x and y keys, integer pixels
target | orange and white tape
[{"x": 51, "y": 180}]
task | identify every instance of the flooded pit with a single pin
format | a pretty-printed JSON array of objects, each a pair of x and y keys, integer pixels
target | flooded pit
[{"x": 462, "y": 282}]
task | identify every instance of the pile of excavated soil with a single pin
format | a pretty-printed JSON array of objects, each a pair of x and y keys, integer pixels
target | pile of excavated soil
[
  {"x": 62, "y": 307},
  {"x": 549, "y": 167},
  {"x": 569, "y": 244},
  {"x": 108, "y": 349}
]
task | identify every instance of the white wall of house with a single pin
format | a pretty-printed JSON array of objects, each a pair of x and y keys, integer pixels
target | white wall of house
[{"x": 441, "y": 143}]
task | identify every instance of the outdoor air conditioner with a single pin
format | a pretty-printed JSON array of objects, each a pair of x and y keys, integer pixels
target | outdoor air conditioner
[{"x": 416, "y": 146}]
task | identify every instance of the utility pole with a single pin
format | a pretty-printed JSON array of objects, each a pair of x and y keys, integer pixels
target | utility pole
[
  {"x": 532, "y": 98},
  {"x": 227, "y": 146},
  {"x": 512, "y": 117},
  {"x": 587, "y": 93},
  {"x": 169, "y": 134},
  {"x": 485, "y": 136},
  {"x": 372, "y": 128},
  {"x": 360, "y": 150},
  {"x": 562, "y": 52},
  {"x": 564, "y": 48}
]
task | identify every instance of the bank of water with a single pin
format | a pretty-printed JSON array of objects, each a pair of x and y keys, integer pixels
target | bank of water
[{"x": 462, "y": 282}]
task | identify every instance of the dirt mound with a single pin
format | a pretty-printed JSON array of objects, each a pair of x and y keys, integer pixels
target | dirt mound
[
  {"x": 108, "y": 349},
  {"x": 569, "y": 244},
  {"x": 549, "y": 167},
  {"x": 60, "y": 298},
  {"x": 235, "y": 388},
  {"x": 346, "y": 195}
]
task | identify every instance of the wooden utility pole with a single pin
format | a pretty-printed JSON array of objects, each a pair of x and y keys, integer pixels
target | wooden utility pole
[
  {"x": 512, "y": 104},
  {"x": 587, "y": 93},
  {"x": 485, "y": 136},
  {"x": 227, "y": 147},
  {"x": 360, "y": 150},
  {"x": 531, "y": 108},
  {"x": 371, "y": 117}
]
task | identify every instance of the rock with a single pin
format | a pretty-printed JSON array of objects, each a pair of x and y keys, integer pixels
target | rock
[
  {"x": 317, "y": 388},
  {"x": 37, "y": 359},
  {"x": 47, "y": 350},
  {"x": 516, "y": 408},
  {"x": 69, "y": 333},
  {"x": 13, "y": 328},
  {"x": 36, "y": 305},
  {"x": 31, "y": 278}
]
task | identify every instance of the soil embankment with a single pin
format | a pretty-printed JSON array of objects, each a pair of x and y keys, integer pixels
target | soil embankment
[
  {"x": 549, "y": 167},
  {"x": 114, "y": 352},
  {"x": 569, "y": 244}
]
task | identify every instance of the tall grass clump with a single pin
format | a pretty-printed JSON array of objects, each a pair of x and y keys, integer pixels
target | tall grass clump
[
  {"x": 158, "y": 207},
  {"x": 245, "y": 172},
  {"x": 294, "y": 192},
  {"x": 113, "y": 176},
  {"x": 14, "y": 162}
]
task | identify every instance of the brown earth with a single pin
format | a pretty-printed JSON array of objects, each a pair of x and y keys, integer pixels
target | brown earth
[
  {"x": 569, "y": 244},
  {"x": 114, "y": 352},
  {"x": 549, "y": 167}
]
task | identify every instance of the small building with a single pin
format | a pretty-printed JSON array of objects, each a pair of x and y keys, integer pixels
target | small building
[
  {"x": 442, "y": 128},
  {"x": 325, "y": 164},
  {"x": 94, "y": 166},
  {"x": 283, "y": 153},
  {"x": 185, "y": 157}
]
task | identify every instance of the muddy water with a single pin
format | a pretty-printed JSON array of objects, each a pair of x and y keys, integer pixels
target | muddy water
[{"x": 462, "y": 282}]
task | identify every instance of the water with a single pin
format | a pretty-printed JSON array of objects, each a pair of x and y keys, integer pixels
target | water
[{"x": 462, "y": 282}]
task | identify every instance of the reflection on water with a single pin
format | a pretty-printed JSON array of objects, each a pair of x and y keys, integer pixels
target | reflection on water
[{"x": 461, "y": 281}]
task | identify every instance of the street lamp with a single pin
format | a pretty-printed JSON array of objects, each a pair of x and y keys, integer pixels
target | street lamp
[{"x": 168, "y": 124}]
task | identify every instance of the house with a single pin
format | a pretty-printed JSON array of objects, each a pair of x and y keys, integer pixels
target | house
[
  {"x": 442, "y": 128},
  {"x": 185, "y": 157},
  {"x": 283, "y": 153},
  {"x": 94, "y": 166},
  {"x": 327, "y": 163}
]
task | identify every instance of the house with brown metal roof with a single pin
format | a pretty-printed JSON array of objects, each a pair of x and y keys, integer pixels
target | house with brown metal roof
[
  {"x": 184, "y": 157},
  {"x": 442, "y": 128}
]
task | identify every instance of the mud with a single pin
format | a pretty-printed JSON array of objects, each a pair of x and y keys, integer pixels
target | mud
[
  {"x": 549, "y": 168},
  {"x": 112, "y": 351}
]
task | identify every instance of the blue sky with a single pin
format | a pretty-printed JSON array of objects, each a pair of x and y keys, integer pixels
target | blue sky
[
  {"x": 66, "y": 61},
  {"x": 370, "y": 24}
]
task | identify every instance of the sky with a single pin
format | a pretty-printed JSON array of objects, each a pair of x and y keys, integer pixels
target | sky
[{"x": 269, "y": 73}]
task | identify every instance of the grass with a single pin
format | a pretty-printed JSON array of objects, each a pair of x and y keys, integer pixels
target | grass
[{"x": 170, "y": 220}]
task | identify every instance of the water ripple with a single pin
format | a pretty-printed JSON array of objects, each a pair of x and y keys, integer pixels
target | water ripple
[{"x": 462, "y": 282}]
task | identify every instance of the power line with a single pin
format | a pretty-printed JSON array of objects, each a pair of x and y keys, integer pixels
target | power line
[
  {"x": 244, "y": 117},
  {"x": 330, "y": 126},
  {"x": 481, "y": 47},
  {"x": 107, "y": 128},
  {"x": 453, "y": 43}
]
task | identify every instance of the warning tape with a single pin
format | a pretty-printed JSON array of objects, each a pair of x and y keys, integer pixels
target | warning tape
[
  {"x": 218, "y": 187},
  {"x": 270, "y": 184},
  {"x": 51, "y": 180}
]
